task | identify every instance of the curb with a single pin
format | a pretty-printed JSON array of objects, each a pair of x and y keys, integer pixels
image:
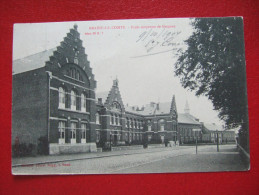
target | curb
[{"x": 74, "y": 159}]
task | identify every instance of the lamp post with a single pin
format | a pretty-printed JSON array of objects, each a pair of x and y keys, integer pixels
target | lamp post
[
  {"x": 196, "y": 130},
  {"x": 110, "y": 141}
]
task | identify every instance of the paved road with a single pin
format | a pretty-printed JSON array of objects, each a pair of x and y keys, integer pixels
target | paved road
[{"x": 160, "y": 161}]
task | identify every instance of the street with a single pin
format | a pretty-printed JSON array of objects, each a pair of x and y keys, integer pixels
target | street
[{"x": 163, "y": 160}]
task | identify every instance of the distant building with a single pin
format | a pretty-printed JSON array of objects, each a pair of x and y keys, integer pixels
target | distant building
[
  {"x": 121, "y": 124},
  {"x": 186, "y": 124},
  {"x": 212, "y": 131}
]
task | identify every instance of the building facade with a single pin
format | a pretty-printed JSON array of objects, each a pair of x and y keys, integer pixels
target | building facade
[
  {"x": 56, "y": 110},
  {"x": 120, "y": 124},
  {"x": 54, "y": 99}
]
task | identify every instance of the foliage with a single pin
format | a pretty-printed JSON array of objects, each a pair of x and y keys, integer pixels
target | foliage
[{"x": 214, "y": 65}]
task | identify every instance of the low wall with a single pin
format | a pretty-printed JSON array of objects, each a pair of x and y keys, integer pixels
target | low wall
[
  {"x": 72, "y": 148},
  {"x": 245, "y": 155}
]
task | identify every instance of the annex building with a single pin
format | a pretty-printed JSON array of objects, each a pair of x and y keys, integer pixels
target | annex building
[{"x": 56, "y": 109}]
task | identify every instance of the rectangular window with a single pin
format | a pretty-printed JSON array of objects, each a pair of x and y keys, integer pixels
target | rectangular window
[
  {"x": 61, "y": 128},
  {"x": 83, "y": 133},
  {"x": 73, "y": 100},
  {"x": 83, "y": 103},
  {"x": 162, "y": 128},
  {"x": 62, "y": 96},
  {"x": 127, "y": 123},
  {"x": 149, "y": 128},
  {"x": 98, "y": 135},
  {"x": 97, "y": 116}
]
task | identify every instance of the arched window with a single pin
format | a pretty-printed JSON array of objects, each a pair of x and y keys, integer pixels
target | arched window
[
  {"x": 77, "y": 75},
  {"x": 73, "y": 100},
  {"x": 83, "y": 102},
  {"x": 112, "y": 120},
  {"x": 116, "y": 119},
  {"x": 113, "y": 116},
  {"x": 62, "y": 98}
]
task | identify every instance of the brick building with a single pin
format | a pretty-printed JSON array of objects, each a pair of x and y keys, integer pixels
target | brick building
[
  {"x": 186, "y": 124},
  {"x": 120, "y": 124},
  {"x": 212, "y": 131},
  {"x": 54, "y": 99},
  {"x": 55, "y": 109}
]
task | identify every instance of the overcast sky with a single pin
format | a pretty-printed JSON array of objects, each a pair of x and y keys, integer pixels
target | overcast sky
[{"x": 145, "y": 73}]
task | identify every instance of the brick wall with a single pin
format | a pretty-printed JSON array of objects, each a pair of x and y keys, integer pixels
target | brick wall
[{"x": 29, "y": 109}]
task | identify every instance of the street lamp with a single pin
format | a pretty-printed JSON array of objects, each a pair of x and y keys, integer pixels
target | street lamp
[
  {"x": 217, "y": 140},
  {"x": 111, "y": 141},
  {"x": 196, "y": 130}
]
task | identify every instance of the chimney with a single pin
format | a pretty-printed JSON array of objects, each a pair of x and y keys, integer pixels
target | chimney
[
  {"x": 187, "y": 109},
  {"x": 99, "y": 100},
  {"x": 157, "y": 106}
]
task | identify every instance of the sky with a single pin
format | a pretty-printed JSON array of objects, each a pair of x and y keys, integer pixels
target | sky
[{"x": 140, "y": 53}]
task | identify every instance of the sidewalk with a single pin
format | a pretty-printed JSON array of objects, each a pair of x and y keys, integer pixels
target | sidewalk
[{"x": 26, "y": 161}]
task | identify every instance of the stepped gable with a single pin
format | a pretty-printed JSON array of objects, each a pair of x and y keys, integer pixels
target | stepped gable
[
  {"x": 114, "y": 96},
  {"x": 71, "y": 50}
]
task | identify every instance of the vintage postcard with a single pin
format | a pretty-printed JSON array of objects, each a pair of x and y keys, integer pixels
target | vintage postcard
[{"x": 129, "y": 96}]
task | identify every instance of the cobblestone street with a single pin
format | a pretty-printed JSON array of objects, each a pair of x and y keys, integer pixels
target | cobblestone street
[{"x": 162, "y": 160}]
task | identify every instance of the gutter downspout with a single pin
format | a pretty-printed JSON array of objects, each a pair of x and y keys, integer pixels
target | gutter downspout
[{"x": 49, "y": 78}]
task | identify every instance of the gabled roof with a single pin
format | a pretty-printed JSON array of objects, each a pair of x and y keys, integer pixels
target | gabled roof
[
  {"x": 32, "y": 62},
  {"x": 213, "y": 127},
  {"x": 187, "y": 119}
]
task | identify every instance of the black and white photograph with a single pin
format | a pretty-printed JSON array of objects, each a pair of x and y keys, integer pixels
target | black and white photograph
[{"x": 129, "y": 97}]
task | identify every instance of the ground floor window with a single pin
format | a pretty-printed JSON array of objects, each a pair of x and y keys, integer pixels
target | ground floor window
[
  {"x": 73, "y": 133},
  {"x": 98, "y": 136},
  {"x": 83, "y": 133},
  {"x": 130, "y": 137},
  {"x": 61, "y": 128}
]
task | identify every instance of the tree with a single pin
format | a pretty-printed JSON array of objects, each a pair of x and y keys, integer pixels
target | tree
[{"x": 213, "y": 65}]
